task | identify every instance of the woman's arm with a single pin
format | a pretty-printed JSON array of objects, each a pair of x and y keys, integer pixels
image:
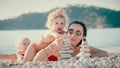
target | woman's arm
[
  {"x": 98, "y": 52},
  {"x": 4, "y": 56},
  {"x": 11, "y": 58}
]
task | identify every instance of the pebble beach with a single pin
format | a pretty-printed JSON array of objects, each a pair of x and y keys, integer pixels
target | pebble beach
[{"x": 113, "y": 61}]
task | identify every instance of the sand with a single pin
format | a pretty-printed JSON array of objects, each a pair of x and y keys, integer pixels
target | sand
[{"x": 113, "y": 61}]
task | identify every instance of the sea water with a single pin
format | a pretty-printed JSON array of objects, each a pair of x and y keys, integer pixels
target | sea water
[{"x": 107, "y": 39}]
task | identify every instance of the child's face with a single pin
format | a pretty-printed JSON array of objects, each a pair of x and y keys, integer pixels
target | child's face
[
  {"x": 59, "y": 24},
  {"x": 23, "y": 46}
]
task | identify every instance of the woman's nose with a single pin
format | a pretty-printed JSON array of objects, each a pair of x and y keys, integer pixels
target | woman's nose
[{"x": 73, "y": 34}]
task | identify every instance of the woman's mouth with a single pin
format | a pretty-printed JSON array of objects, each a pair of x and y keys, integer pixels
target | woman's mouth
[{"x": 73, "y": 40}]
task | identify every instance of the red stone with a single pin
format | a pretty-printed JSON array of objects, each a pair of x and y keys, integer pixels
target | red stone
[{"x": 52, "y": 58}]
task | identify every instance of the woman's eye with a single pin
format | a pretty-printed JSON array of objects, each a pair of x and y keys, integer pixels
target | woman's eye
[
  {"x": 78, "y": 33},
  {"x": 70, "y": 31}
]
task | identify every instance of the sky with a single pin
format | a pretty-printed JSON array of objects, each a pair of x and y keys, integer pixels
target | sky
[{"x": 14, "y": 8}]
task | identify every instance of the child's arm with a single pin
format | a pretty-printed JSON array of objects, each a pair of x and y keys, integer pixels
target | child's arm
[
  {"x": 44, "y": 42},
  {"x": 37, "y": 46},
  {"x": 52, "y": 49}
]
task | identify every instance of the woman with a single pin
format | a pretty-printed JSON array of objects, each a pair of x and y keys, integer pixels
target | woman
[{"x": 78, "y": 31}]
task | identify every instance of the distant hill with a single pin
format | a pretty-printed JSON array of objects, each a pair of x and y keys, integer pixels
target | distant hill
[
  {"x": 93, "y": 17},
  {"x": 25, "y": 21}
]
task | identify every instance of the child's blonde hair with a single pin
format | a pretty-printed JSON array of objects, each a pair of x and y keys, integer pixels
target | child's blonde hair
[{"x": 53, "y": 15}]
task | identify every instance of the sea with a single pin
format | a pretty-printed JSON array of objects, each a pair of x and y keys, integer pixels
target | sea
[{"x": 107, "y": 39}]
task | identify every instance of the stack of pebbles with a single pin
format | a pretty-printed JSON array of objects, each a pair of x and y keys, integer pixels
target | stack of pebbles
[
  {"x": 84, "y": 51},
  {"x": 65, "y": 51}
]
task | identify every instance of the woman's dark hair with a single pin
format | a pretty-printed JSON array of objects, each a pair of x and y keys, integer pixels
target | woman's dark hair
[{"x": 84, "y": 29}]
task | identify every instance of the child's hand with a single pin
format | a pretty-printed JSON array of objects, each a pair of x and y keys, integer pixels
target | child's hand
[
  {"x": 59, "y": 41},
  {"x": 57, "y": 44}
]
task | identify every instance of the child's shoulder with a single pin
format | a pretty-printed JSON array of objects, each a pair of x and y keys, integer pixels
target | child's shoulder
[{"x": 48, "y": 37}]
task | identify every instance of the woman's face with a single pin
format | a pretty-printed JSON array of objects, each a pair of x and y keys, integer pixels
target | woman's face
[
  {"x": 59, "y": 24},
  {"x": 75, "y": 33}
]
